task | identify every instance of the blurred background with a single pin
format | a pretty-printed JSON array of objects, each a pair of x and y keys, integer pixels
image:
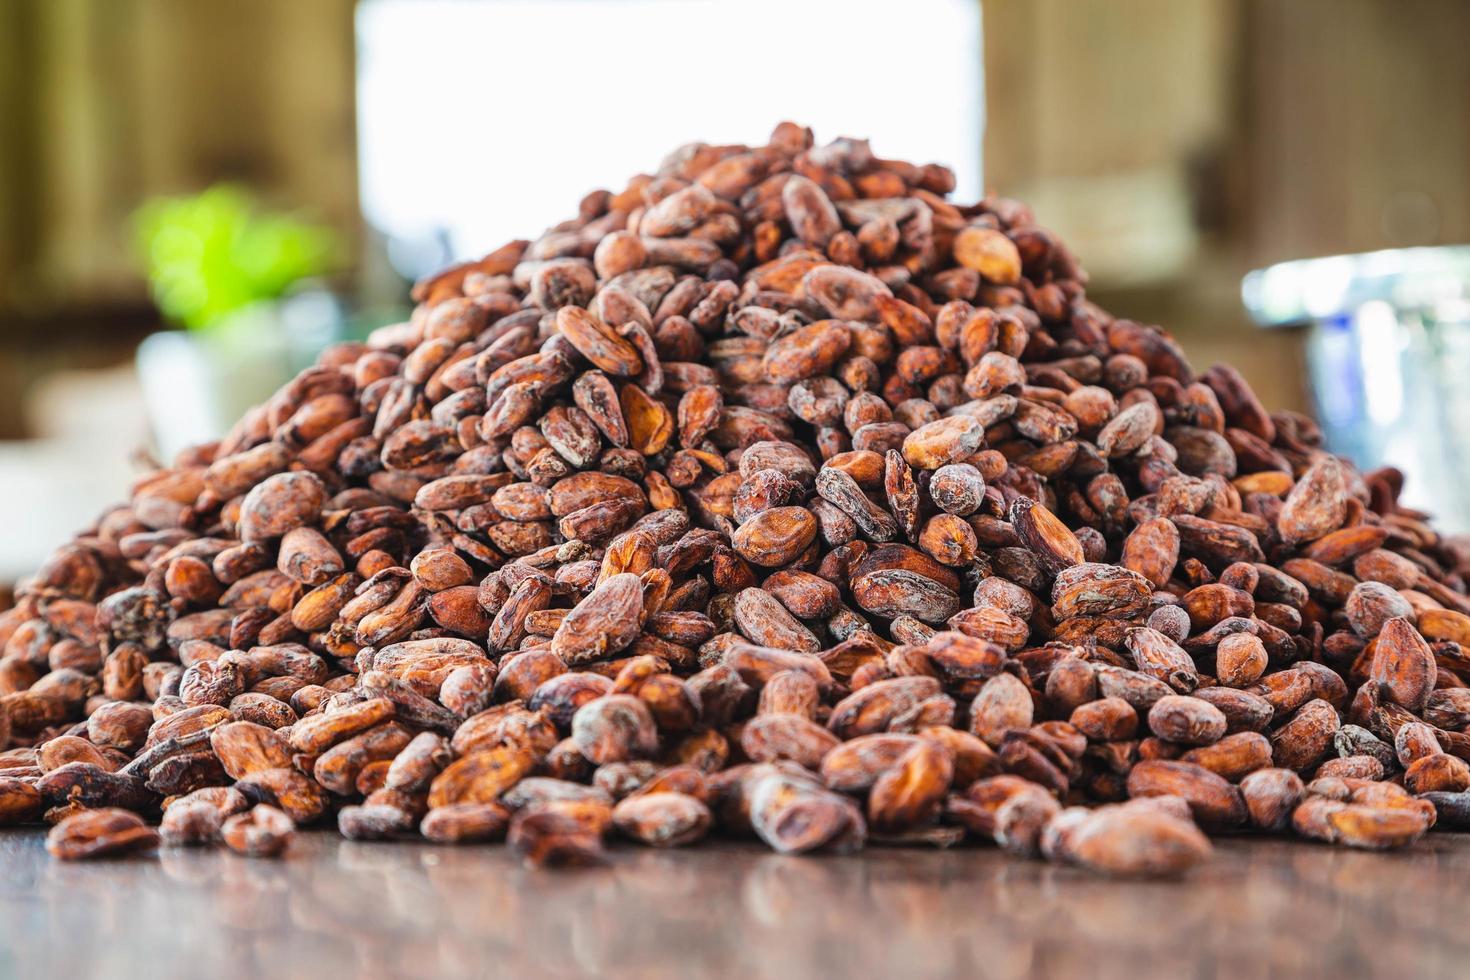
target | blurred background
[{"x": 196, "y": 195}]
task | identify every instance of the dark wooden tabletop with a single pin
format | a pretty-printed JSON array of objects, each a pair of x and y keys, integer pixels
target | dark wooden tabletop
[{"x": 336, "y": 909}]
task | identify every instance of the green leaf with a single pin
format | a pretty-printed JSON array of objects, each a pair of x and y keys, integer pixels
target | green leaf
[{"x": 209, "y": 254}]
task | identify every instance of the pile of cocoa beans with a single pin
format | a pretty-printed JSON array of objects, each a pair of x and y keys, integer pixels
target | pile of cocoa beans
[{"x": 772, "y": 496}]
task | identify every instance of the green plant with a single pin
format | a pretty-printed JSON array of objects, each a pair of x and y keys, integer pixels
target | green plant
[{"x": 215, "y": 252}]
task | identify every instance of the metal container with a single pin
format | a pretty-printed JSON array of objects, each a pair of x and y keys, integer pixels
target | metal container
[{"x": 1388, "y": 351}]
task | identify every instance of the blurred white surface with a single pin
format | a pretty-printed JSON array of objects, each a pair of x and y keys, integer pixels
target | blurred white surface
[
  {"x": 90, "y": 426},
  {"x": 485, "y": 121}
]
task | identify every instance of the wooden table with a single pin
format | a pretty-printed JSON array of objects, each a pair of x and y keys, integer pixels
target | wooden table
[{"x": 337, "y": 909}]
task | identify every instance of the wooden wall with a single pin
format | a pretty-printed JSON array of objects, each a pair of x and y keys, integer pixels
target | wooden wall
[
  {"x": 106, "y": 102},
  {"x": 1296, "y": 127},
  {"x": 1360, "y": 116},
  {"x": 1177, "y": 144}
]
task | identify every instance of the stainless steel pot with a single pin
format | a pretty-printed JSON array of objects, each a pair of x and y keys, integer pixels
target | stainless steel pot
[{"x": 1388, "y": 350}]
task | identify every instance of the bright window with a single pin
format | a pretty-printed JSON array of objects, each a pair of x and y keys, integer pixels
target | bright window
[{"x": 485, "y": 120}]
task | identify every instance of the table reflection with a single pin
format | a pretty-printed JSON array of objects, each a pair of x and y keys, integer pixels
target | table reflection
[{"x": 335, "y": 908}]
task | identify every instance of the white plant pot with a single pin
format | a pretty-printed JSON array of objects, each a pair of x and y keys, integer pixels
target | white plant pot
[{"x": 197, "y": 385}]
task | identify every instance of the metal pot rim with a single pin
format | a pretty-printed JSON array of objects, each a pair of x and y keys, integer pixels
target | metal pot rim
[{"x": 1304, "y": 290}]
